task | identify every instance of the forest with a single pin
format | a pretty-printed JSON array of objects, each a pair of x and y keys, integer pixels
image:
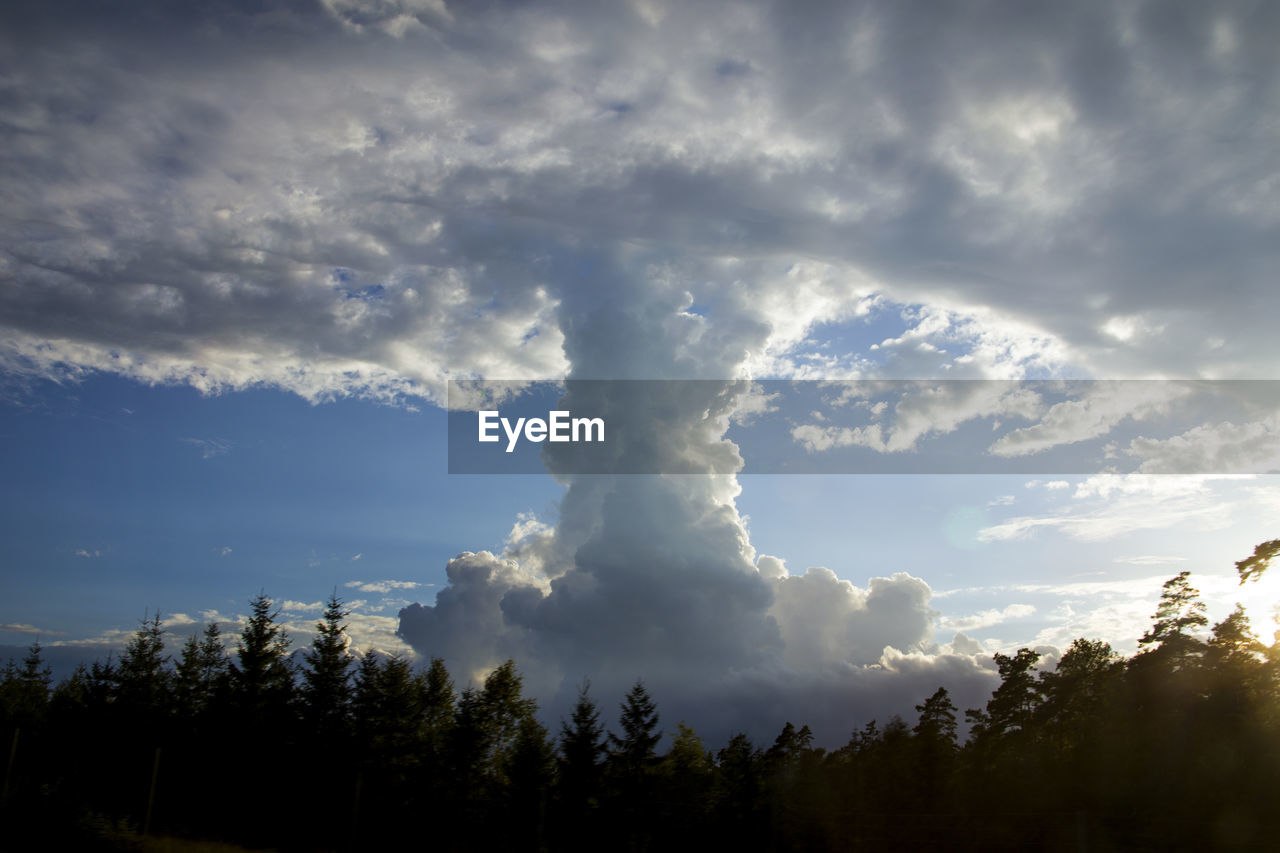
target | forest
[{"x": 1174, "y": 748}]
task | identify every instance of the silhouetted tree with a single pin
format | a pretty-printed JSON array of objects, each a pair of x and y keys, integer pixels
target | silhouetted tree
[
  {"x": 1011, "y": 704},
  {"x": 24, "y": 691},
  {"x": 937, "y": 723},
  {"x": 261, "y": 674},
  {"x": 530, "y": 775},
  {"x": 736, "y": 792},
  {"x": 633, "y": 751},
  {"x": 142, "y": 678},
  {"x": 326, "y": 679},
  {"x": 630, "y": 765},
  {"x": 582, "y": 748},
  {"x": 1178, "y": 614},
  {"x": 202, "y": 671},
  {"x": 1252, "y": 567}
]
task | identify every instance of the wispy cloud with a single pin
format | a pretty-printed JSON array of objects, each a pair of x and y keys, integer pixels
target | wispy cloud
[
  {"x": 209, "y": 447},
  {"x": 382, "y": 587},
  {"x": 22, "y": 628},
  {"x": 987, "y": 618}
]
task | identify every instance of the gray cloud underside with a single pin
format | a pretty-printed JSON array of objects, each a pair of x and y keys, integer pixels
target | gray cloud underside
[{"x": 181, "y": 186}]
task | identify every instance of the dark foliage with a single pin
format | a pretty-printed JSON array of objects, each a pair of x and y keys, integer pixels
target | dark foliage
[{"x": 1177, "y": 748}]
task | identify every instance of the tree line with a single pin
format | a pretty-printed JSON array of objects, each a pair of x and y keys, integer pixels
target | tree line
[{"x": 1176, "y": 747}]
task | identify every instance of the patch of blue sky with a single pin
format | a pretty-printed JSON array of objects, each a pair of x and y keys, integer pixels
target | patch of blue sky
[
  {"x": 848, "y": 341},
  {"x": 348, "y": 284},
  {"x": 130, "y": 497}
]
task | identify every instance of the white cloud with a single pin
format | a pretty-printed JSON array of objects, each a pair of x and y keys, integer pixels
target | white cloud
[
  {"x": 1107, "y": 506},
  {"x": 1103, "y": 406},
  {"x": 23, "y": 628},
  {"x": 291, "y": 606},
  {"x": 987, "y": 618},
  {"x": 382, "y": 587},
  {"x": 1222, "y": 448}
]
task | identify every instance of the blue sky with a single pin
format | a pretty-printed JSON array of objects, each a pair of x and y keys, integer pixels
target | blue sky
[{"x": 245, "y": 248}]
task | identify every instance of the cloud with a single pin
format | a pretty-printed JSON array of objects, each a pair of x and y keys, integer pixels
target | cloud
[
  {"x": 291, "y": 606},
  {"x": 1106, "y": 506},
  {"x": 1103, "y": 406},
  {"x": 926, "y": 409},
  {"x": 415, "y": 222},
  {"x": 382, "y": 587},
  {"x": 210, "y": 447},
  {"x": 1213, "y": 448},
  {"x": 987, "y": 618},
  {"x": 83, "y": 552},
  {"x": 22, "y": 628}
]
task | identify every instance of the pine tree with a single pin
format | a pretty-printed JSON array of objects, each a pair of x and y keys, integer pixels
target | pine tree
[
  {"x": 201, "y": 672},
  {"x": 437, "y": 699},
  {"x": 142, "y": 679},
  {"x": 1252, "y": 567},
  {"x": 326, "y": 681},
  {"x": 631, "y": 766},
  {"x": 1179, "y": 613},
  {"x": 530, "y": 773},
  {"x": 633, "y": 751},
  {"x": 937, "y": 724},
  {"x": 24, "y": 691},
  {"x": 261, "y": 674},
  {"x": 1012, "y": 703},
  {"x": 582, "y": 747}
]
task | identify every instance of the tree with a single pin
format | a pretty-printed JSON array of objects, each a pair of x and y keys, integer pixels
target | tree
[
  {"x": 504, "y": 710},
  {"x": 486, "y": 725},
  {"x": 1179, "y": 612},
  {"x": 387, "y": 708},
  {"x": 582, "y": 746},
  {"x": 937, "y": 724},
  {"x": 437, "y": 698},
  {"x": 202, "y": 671},
  {"x": 630, "y": 767},
  {"x": 142, "y": 680},
  {"x": 1075, "y": 690},
  {"x": 530, "y": 771},
  {"x": 326, "y": 681},
  {"x": 736, "y": 791},
  {"x": 24, "y": 691},
  {"x": 261, "y": 675},
  {"x": 633, "y": 751},
  {"x": 685, "y": 774},
  {"x": 1252, "y": 567},
  {"x": 1011, "y": 704}
]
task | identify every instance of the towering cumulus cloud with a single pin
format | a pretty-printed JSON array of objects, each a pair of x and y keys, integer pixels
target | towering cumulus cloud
[
  {"x": 372, "y": 197},
  {"x": 655, "y": 576}
]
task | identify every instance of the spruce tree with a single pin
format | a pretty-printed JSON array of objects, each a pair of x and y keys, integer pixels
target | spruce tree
[
  {"x": 142, "y": 679},
  {"x": 326, "y": 681},
  {"x": 582, "y": 746},
  {"x": 261, "y": 674},
  {"x": 633, "y": 751},
  {"x": 201, "y": 671}
]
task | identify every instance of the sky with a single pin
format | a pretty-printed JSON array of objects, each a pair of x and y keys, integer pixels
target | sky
[{"x": 245, "y": 248}]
